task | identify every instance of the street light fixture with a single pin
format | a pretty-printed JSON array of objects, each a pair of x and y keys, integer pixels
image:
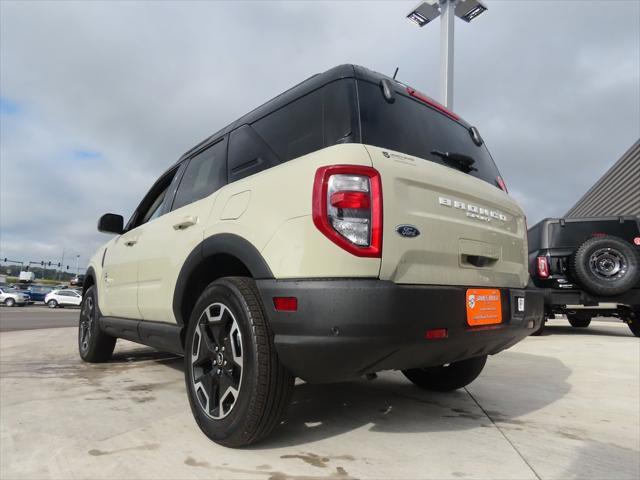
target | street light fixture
[
  {"x": 424, "y": 13},
  {"x": 429, "y": 10},
  {"x": 467, "y": 10}
]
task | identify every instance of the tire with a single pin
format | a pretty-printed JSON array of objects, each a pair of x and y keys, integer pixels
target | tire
[
  {"x": 94, "y": 345},
  {"x": 606, "y": 266},
  {"x": 10, "y": 302},
  {"x": 52, "y": 303},
  {"x": 238, "y": 389},
  {"x": 578, "y": 321},
  {"x": 447, "y": 378}
]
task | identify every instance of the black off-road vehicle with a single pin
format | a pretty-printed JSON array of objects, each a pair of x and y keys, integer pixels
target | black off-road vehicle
[{"x": 588, "y": 267}]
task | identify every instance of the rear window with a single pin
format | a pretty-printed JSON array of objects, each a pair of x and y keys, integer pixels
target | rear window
[{"x": 409, "y": 126}]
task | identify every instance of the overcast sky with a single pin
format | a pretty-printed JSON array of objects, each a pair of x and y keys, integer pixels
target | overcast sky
[{"x": 97, "y": 99}]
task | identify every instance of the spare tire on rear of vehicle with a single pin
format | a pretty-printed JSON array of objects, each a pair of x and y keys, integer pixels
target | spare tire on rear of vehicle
[{"x": 606, "y": 266}]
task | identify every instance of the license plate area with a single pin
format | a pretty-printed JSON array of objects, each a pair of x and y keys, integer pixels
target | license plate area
[{"x": 484, "y": 306}]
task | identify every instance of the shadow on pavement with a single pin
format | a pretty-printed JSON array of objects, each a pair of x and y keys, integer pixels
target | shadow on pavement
[
  {"x": 142, "y": 354},
  {"x": 391, "y": 404},
  {"x": 591, "y": 330}
]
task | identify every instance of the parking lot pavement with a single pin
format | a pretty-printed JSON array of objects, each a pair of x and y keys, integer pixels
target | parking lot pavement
[
  {"x": 37, "y": 316},
  {"x": 564, "y": 405}
]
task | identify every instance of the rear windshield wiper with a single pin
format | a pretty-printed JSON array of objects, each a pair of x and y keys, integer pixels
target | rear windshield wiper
[{"x": 463, "y": 162}]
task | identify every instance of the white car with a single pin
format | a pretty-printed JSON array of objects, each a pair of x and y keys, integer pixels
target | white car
[
  {"x": 62, "y": 298},
  {"x": 11, "y": 297}
]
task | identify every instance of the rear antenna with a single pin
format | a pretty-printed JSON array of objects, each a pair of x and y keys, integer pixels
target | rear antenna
[{"x": 395, "y": 73}]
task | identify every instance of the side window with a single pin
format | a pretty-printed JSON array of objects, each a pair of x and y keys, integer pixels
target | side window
[
  {"x": 205, "y": 173},
  {"x": 155, "y": 208},
  {"x": 296, "y": 129},
  {"x": 248, "y": 154},
  {"x": 154, "y": 204}
]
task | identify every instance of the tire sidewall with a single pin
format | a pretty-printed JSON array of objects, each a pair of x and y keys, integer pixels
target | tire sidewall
[
  {"x": 95, "y": 327},
  {"x": 52, "y": 304},
  {"x": 596, "y": 286},
  {"x": 233, "y": 424},
  {"x": 10, "y": 302}
]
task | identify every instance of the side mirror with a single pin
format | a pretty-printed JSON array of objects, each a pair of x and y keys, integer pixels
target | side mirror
[{"x": 111, "y": 223}]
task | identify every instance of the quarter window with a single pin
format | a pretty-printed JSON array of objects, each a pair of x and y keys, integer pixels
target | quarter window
[
  {"x": 320, "y": 119},
  {"x": 248, "y": 154},
  {"x": 295, "y": 129}
]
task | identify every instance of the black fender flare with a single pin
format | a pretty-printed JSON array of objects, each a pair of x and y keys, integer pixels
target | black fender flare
[
  {"x": 90, "y": 273},
  {"x": 222, "y": 243}
]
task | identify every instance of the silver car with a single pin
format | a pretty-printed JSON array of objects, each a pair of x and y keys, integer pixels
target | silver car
[{"x": 12, "y": 297}]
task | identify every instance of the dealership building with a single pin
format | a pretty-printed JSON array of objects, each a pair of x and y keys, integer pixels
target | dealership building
[{"x": 616, "y": 193}]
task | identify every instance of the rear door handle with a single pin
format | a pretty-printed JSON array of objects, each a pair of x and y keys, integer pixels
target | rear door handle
[{"x": 186, "y": 222}]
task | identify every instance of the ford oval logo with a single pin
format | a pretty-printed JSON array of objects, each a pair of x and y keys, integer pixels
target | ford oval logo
[{"x": 408, "y": 231}]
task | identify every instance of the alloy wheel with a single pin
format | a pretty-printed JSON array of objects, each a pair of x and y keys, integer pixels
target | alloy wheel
[
  {"x": 87, "y": 315},
  {"x": 217, "y": 361}
]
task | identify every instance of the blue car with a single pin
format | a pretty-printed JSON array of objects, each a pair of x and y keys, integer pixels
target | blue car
[{"x": 38, "y": 292}]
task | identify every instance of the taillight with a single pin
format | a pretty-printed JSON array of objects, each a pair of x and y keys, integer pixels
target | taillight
[
  {"x": 501, "y": 184},
  {"x": 347, "y": 208},
  {"x": 543, "y": 267}
]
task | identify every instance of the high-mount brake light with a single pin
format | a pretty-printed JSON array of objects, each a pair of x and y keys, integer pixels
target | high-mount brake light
[
  {"x": 501, "y": 184},
  {"x": 430, "y": 101},
  {"x": 543, "y": 267},
  {"x": 347, "y": 208}
]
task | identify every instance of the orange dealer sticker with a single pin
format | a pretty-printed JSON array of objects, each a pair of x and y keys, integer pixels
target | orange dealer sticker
[{"x": 483, "y": 306}]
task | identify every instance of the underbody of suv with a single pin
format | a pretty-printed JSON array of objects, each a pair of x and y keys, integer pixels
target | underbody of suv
[{"x": 348, "y": 226}]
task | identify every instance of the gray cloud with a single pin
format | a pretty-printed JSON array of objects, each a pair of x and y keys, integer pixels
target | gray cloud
[{"x": 553, "y": 86}]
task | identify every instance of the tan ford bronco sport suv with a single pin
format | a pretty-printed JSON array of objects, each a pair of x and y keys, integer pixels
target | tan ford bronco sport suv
[{"x": 348, "y": 226}]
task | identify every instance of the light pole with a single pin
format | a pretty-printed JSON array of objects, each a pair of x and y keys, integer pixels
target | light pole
[
  {"x": 429, "y": 10},
  {"x": 60, "y": 264},
  {"x": 77, "y": 265}
]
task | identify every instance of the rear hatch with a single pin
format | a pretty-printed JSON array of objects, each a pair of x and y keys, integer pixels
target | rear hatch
[
  {"x": 470, "y": 233},
  {"x": 446, "y": 221}
]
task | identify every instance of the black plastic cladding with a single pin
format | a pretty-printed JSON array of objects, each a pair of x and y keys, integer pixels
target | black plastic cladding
[{"x": 224, "y": 243}]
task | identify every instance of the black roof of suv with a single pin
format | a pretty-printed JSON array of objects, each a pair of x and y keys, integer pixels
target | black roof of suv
[{"x": 310, "y": 84}]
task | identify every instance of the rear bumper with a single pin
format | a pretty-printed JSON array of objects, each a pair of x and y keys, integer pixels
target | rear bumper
[{"x": 347, "y": 328}]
